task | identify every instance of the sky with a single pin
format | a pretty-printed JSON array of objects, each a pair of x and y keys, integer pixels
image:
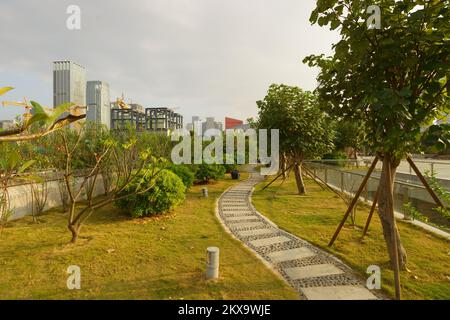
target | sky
[{"x": 201, "y": 57}]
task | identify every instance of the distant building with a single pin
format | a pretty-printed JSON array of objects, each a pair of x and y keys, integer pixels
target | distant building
[
  {"x": 6, "y": 124},
  {"x": 196, "y": 122},
  {"x": 98, "y": 103},
  {"x": 243, "y": 127},
  {"x": 132, "y": 114},
  {"x": 210, "y": 123},
  {"x": 150, "y": 119},
  {"x": 162, "y": 119},
  {"x": 230, "y": 123},
  {"x": 69, "y": 83}
]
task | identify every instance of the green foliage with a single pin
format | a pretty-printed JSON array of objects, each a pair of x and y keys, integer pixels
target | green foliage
[
  {"x": 436, "y": 139},
  {"x": 304, "y": 129},
  {"x": 336, "y": 155},
  {"x": 4, "y": 90},
  {"x": 395, "y": 79},
  {"x": 441, "y": 192},
  {"x": 184, "y": 172},
  {"x": 167, "y": 192},
  {"x": 412, "y": 212},
  {"x": 206, "y": 172},
  {"x": 349, "y": 134}
]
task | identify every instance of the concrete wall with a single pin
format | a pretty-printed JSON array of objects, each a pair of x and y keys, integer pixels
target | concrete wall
[{"x": 20, "y": 197}]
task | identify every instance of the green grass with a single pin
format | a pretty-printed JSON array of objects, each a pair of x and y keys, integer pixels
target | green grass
[
  {"x": 315, "y": 216},
  {"x": 153, "y": 258}
]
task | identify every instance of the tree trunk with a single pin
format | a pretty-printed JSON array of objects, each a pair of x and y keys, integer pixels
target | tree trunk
[
  {"x": 75, "y": 230},
  {"x": 385, "y": 211},
  {"x": 299, "y": 178}
]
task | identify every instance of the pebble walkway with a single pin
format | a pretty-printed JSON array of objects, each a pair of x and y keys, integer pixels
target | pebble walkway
[{"x": 315, "y": 274}]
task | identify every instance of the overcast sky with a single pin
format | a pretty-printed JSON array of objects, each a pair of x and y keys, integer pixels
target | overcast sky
[{"x": 204, "y": 57}]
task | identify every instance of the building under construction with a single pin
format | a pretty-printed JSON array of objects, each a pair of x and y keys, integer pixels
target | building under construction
[{"x": 150, "y": 119}]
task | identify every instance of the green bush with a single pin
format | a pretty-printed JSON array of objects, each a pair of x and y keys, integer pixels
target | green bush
[
  {"x": 184, "y": 172},
  {"x": 207, "y": 172},
  {"x": 340, "y": 156},
  {"x": 167, "y": 192}
]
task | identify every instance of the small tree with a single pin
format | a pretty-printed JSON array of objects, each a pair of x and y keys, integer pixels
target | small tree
[
  {"x": 349, "y": 137},
  {"x": 127, "y": 162},
  {"x": 395, "y": 79},
  {"x": 304, "y": 130}
]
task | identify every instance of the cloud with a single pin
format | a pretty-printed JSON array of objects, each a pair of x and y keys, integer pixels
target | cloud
[{"x": 206, "y": 57}]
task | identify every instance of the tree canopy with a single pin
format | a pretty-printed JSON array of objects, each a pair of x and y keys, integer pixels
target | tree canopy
[{"x": 394, "y": 78}]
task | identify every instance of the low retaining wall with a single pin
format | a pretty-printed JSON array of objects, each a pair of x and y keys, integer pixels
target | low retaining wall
[{"x": 20, "y": 197}]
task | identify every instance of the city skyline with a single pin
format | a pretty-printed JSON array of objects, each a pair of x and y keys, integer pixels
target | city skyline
[{"x": 204, "y": 57}]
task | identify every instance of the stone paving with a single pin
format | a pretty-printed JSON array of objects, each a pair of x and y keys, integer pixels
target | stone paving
[{"x": 315, "y": 274}]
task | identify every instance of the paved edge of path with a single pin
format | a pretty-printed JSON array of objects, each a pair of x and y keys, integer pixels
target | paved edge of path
[{"x": 312, "y": 272}]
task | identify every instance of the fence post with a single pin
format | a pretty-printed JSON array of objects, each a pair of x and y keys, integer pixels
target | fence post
[
  {"x": 342, "y": 181},
  {"x": 326, "y": 175}
]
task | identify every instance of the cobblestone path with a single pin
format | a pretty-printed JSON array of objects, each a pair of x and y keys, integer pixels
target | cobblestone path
[{"x": 315, "y": 274}]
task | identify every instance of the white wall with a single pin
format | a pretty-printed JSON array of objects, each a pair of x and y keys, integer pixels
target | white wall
[{"x": 20, "y": 198}]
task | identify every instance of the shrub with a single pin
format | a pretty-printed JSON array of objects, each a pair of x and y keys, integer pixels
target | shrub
[
  {"x": 185, "y": 173},
  {"x": 339, "y": 157},
  {"x": 230, "y": 167},
  {"x": 207, "y": 172},
  {"x": 168, "y": 192}
]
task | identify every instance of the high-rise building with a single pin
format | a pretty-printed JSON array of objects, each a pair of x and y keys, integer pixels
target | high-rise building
[
  {"x": 69, "y": 83},
  {"x": 195, "y": 125},
  {"x": 98, "y": 103}
]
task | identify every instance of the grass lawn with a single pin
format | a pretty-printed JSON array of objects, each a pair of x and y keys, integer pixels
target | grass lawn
[
  {"x": 120, "y": 258},
  {"x": 315, "y": 216}
]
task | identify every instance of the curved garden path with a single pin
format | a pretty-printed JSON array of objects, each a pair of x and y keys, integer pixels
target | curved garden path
[{"x": 311, "y": 271}]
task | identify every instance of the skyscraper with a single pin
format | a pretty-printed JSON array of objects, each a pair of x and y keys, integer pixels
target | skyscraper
[
  {"x": 69, "y": 83},
  {"x": 98, "y": 103}
]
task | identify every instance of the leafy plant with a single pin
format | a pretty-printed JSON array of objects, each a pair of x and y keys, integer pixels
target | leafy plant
[
  {"x": 411, "y": 211},
  {"x": 441, "y": 192},
  {"x": 166, "y": 191},
  {"x": 11, "y": 167},
  {"x": 206, "y": 172},
  {"x": 40, "y": 123},
  {"x": 118, "y": 153},
  {"x": 184, "y": 172},
  {"x": 303, "y": 127},
  {"x": 394, "y": 79},
  {"x": 436, "y": 139}
]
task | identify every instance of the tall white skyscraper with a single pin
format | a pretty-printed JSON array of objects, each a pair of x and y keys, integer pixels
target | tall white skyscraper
[
  {"x": 69, "y": 83},
  {"x": 98, "y": 103}
]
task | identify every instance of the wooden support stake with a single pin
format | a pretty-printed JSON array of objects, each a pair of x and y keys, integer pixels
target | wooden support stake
[
  {"x": 330, "y": 188},
  {"x": 372, "y": 210},
  {"x": 354, "y": 201},
  {"x": 387, "y": 163},
  {"x": 276, "y": 178},
  {"x": 313, "y": 176},
  {"x": 424, "y": 182}
]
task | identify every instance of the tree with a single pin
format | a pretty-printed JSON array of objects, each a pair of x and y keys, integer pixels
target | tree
[
  {"x": 37, "y": 124},
  {"x": 86, "y": 154},
  {"x": 304, "y": 133},
  {"x": 349, "y": 137},
  {"x": 394, "y": 79}
]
